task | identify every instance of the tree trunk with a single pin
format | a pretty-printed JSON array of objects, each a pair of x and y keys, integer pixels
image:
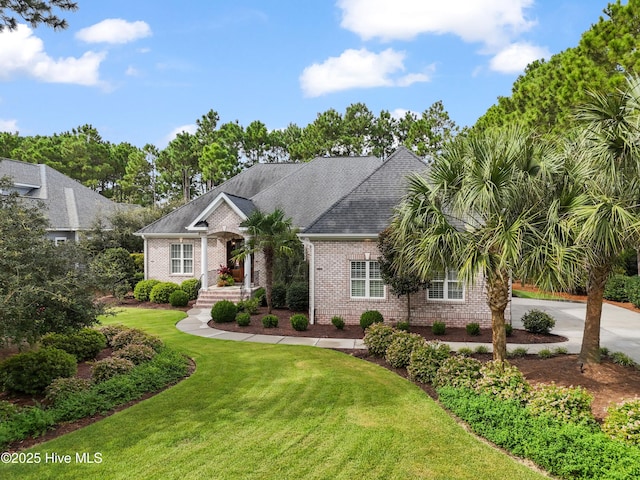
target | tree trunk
[
  {"x": 590, "y": 350},
  {"x": 268, "y": 270},
  {"x": 498, "y": 299}
]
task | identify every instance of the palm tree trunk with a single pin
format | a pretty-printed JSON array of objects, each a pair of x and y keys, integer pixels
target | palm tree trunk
[
  {"x": 498, "y": 299},
  {"x": 590, "y": 350}
]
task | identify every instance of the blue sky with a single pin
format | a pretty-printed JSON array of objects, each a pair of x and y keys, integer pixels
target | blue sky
[{"x": 141, "y": 70}]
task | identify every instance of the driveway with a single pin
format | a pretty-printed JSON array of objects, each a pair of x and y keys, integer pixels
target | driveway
[{"x": 620, "y": 328}]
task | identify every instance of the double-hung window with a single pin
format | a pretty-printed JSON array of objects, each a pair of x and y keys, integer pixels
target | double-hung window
[
  {"x": 182, "y": 258},
  {"x": 446, "y": 286},
  {"x": 366, "y": 281}
]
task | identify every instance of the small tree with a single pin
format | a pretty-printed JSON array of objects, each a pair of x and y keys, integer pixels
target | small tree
[{"x": 114, "y": 271}]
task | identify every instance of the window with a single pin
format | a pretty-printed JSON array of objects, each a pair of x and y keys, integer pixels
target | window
[
  {"x": 366, "y": 281},
  {"x": 59, "y": 240},
  {"x": 182, "y": 258},
  {"x": 445, "y": 286}
]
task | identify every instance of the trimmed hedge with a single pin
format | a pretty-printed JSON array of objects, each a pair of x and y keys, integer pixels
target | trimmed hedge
[
  {"x": 299, "y": 322},
  {"x": 370, "y": 317},
  {"x": 298, "y": 297},
  {"x": 32, "y": 372},
  {"x": 377, "y": 338},
  {"x": 179, "y": 298},
  {"x": 143, "y": 289},
  {"x": 537, "y": 321},
  {"x": 191, "y": 287},
  {"x": 84, "y": 344},
  {"x": 398, "y": 354},
  {"x": 161, "y": 292},
  {"x": 224, "y": 311}
]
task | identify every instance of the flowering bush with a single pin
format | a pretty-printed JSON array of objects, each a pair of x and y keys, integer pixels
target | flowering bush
[
  {"x": 623, "y": 422},
  {"x": 225, "y": 276},
  {"x": 568, "y": 404},
  {"x": 503, "y": 380}
]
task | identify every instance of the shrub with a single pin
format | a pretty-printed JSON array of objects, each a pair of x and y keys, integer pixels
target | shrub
[
  {"x": 404, "y": 326},
  {"x": 7, "y": 410},
  {"x": 299, "y": 322},
  {"x": 560, "y": 351},
  {"x": 298, "y": 297},
  {"x": 338, "y": 322},
  {"x": 61, "y": 388},
  {"x": 191, "y": 287},
  {"x": 31, "y": 372},
  {"x": 103, "y": 370},
  {"x": 473, "y": 329},
  {"x": 517, "y": 352},
  {"x": 370, "y": 317},
  {"x": 224, "y": 311},
  {"x": 243, "y": 319},
  {"x": 465, "y": 351},
  {"x": 545, "y": 353},
  {"x": 279, "y": 296},
  {"x": 402, "y": 344},
  {"x": 622, "y": 422},
  {"x": 537, "y": 321},
  {"x": 622, "y": 359},
  {"x": 633, "y": 290},
  {"x": 261, "y": 295},
  {"x": 179, "y": 298},
  {"x": 110, "y": 331},
  {"x": 567, "y": 404},
  {"x": 143, "y": 289},
  {"x": 458, "y": 371},
  {"x": 503, "y": 380},
  {"x": 84, "y": 344},
  {"x": 250, "y": 305},
  {"x": 136, "y": 352},
  {"x": 508, "y": 329},
  {"x": 425, "y": 360},
  {"x": 161, "y": 292},
  {"x": 604, "y": 352},
  {"x": 269, "y": 321},
  {"x": 482, "y": 349},
  {"x": 136, "y": 336},
  {"x": 377, "y": 339},
  {"x": 616, "y": 288},
  {"x": 438, "y": 328}
]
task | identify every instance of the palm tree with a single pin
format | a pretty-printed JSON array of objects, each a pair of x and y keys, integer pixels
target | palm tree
[
  {"x": 271, "y": 235},
  {"x": 477, "y": 212}
]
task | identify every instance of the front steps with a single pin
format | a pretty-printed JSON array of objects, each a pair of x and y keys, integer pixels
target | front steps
[{"x": 206, "y": 298}]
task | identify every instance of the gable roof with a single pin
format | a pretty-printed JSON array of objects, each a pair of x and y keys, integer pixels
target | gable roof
[{"x": 68, "y": 205}]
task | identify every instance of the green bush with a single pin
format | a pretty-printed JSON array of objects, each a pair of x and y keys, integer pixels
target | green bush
[
  {"x": 279, "y": 296},
  {"x": 191, "y": 287},
  {"x": 473, "y": 329},
  {"x": 438, "y": 328},
  {"x": 425, "y": 360},
  {"x": 503, "y": 380},
  {"x": 566, "y": 404},
  {"x": 622, "y": 359},
  {"x": 633, "y": 290},
  {"x": 518, "y": 352},
  {"x": 110, "y": 367},
  {"x": 508, "y": 329},
  {"x": 7, "y": 411},
  {"x": 299, "y": 322},
  {"x": 403, "y": 325},
  {"x": 616, "y": 288},
  {"x": 250, "y": 305},
  {"x": 370, "y": 317},
  {"x": 136, "y": 353},
  {"x": 138, "y": 337},
  {"x": 560, "y": 351},
  {"x": 261, "y": 295},
  {"x": 545, "y": 353},
  {"x": 84, "y": 344},
  {"x": 622, "y": 422},
  {"x": 179, "y": 298},
  {"x": 402, "y": 345},
  {"x": 269, "y": 321},
  {"x": 338, "y": 322},
  {"x": 243, "y": 319},
  {"x": 377, "y": 339},
  {"x": 110, "y": 331},
  {"x": 298, "y": 297},
  {"x": 31, "y": 372},
  {"x": 143, "y": 289},
  {"x": 61, "y": 388},
  {"x": 482, "y": 349},
  {"x": 537, "y": 321},
  {"x": 224, "y": 311},
  {"x": 458, "y": 371},
  {"x": 161, "y": 292},
  {"x": 465, "y": 351}
]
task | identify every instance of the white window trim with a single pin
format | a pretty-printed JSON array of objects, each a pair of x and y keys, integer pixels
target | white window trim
[
  {"x": 367, "y": 282},
  {"x": 181, "y": 258},
  {"x": 58, "y": 240},
  {"x": 445, "y": 292}
]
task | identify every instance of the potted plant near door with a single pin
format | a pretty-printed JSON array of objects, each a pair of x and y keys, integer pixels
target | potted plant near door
[{"x": 225, "y": 276}]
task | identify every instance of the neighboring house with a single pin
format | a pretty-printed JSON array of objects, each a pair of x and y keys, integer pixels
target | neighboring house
[
  {"x": 339, "y": 205},
  {"x": 69, "y": 206}
]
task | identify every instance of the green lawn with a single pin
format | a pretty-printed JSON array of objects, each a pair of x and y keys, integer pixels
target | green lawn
[{"x": 255, "y": 411}]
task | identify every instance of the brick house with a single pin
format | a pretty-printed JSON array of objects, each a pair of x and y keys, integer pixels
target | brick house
[{"x": 339, "y": 204}]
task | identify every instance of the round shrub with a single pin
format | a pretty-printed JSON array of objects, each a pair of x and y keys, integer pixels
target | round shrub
[
  {"x": 61, "y": 388},
  {"x": 458, "y": 371},
  {"x": 616, "y": 288},
  {"x": 473, "y": 329},
  {"x": 403, "y": 325},
  {"x": 502, "y": 380},
  {"x": 179, "y": 298},
  {"x": 623, "y": 422},
  {"x": 243, "y": 319},
  {"x": 161, "y": 292},
  {"x": 370, "y": 317},
  {"x": 338, "y": 322},
  {"x": 110, "y": 367},
  {"x": 269, "y": 321},
  {"x": 224, "y": 311},
  {"x": 110, "y": 331},
  {"x": 439, "y": 328},
  {"x": 135, "y": 336},
  {"x": 377, "y": 338},
  {"x": 143, "y": 289},
  {"x": 278, "y": 296},
  {"x": 191, "y": 287},
  {"x": 399, "y": 352},
  {"x": 425, "y": 361},
  {"x": 250, "y": 305},
  {"x": 84, "y": 344},
  {"x": 261, "y": 295},
  {"x": 31, "y": 372},
  {"x": 299, "y": 322},
  {"x": 298, "y": 296},
  {"x": 136, "y": 353},
  {"x": 567, "y": 404},
  {"x": 537, "y": 321}
]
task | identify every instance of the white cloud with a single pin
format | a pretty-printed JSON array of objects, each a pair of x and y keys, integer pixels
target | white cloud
[
  {"x": 357, "y": 69},
  {"x": 22, "y": 53},
  {"x": 8, "y": 125},
  {"x": 114, "y": 30},
  {"x": 189, "y": 128},
  {"x": 515, "y": 57},
  {"x": 399, "y": 113},
  {"x": 132, "y": 71},
  {"x": 491, "y": 22}
]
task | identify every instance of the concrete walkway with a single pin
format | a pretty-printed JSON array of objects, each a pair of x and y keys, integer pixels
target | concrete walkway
[{"x": 620, "y": 329}]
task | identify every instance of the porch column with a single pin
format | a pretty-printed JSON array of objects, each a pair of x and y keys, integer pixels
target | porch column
[
  {"x": 247, "y": 269},
  {"x": 204, "y": 263}
]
